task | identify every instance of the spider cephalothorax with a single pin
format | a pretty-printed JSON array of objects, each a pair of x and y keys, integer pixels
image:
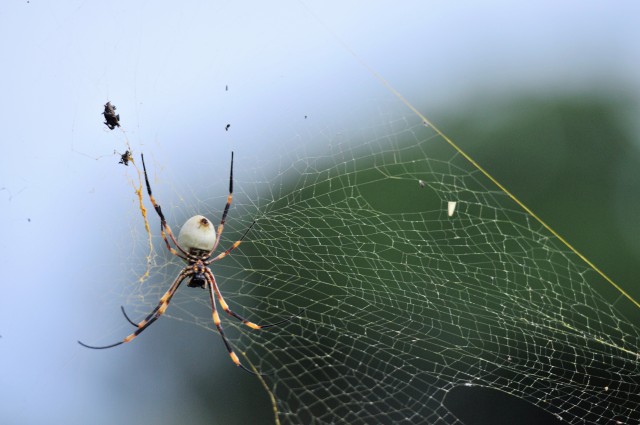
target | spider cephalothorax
[
  {"x": 198, "y": 278},
  {"x": 195, "y": 245}
]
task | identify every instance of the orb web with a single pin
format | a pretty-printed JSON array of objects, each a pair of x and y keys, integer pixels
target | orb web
[{"x": 404, "y": 300}]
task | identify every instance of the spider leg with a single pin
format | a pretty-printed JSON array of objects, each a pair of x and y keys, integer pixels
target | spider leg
[
  {"x": 216, "y": 321},
  {"x": 226, "y": 209},
  {"x": 153, "y": 316},
  {"x": 127, "y": 317},
  {"x": 234, "y": 246},
  {"x": 212, "y": 283},
  {"x": 163, "y": 222}
]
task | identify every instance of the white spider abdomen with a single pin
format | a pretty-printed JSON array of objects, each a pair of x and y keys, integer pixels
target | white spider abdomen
[{"x": 197, "y": 233}]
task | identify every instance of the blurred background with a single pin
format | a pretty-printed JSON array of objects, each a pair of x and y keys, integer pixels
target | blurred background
[{"x": 544, "y": 96}]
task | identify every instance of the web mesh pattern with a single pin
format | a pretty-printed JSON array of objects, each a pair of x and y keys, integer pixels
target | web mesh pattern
[{"x": 402, "y": 302}]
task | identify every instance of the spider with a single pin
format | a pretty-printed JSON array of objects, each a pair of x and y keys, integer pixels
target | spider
[{"x": 196, "y": 243}]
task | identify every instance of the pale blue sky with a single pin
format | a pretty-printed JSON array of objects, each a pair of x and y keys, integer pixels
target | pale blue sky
[{"x": 165, "y": 67}]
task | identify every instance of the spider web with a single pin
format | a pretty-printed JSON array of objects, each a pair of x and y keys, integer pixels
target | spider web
[{"x": 404, "y": 303}]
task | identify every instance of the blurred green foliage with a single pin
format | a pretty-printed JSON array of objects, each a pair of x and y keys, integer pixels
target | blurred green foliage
[
  {"x": 575, "y": 160},
  {"x": 571, "y": 159}
]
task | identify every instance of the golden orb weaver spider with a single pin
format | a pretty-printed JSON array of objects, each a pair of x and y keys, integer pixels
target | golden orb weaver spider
[{"x": 195, "y": 245}]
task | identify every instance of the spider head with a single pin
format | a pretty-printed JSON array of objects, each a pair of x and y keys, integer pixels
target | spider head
[
  {"x": 197, "y": 281},
  {"x": 198, "y": 277},
  {"x": 197, "y": 234}
]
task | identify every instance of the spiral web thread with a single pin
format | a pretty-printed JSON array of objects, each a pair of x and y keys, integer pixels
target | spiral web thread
[{"x": 404, "y": 303}]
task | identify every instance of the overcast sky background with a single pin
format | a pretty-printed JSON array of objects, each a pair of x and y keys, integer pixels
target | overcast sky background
[{"x": 63, "y": 213}]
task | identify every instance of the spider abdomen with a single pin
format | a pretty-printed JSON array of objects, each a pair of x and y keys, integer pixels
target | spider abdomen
[{"x": 197, "y": 233}]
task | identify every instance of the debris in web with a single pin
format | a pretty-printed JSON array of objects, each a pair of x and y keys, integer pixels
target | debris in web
[
  {"x": 125, "y": 157},
  {"x": 143, "y": 211},
  {"x": 111, "y": 119},
  {"x": 451, "y": 208}
]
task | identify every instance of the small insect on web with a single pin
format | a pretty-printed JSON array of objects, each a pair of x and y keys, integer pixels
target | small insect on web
[
  {"x": 125, "y": 158},
  {"x": 111, "y": 119},
  {"x": 195, "y": 245}
]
